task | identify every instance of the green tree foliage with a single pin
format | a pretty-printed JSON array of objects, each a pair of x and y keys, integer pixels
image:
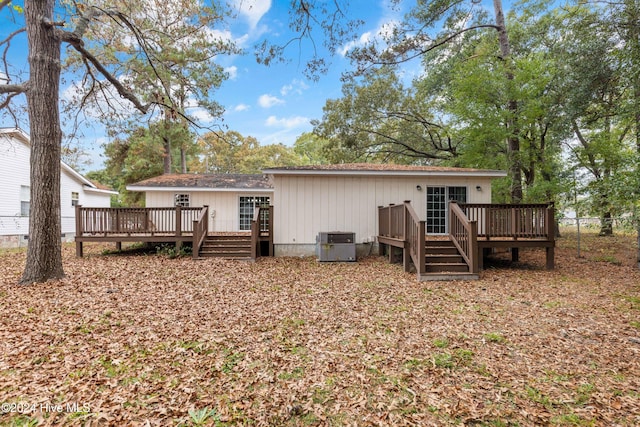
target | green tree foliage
[
  {"x": 595, "y": 92},
  {"x": 379, "y": 120},
  {"x": 315, "y": 150},
  {"x": 233, "y": 153},
  {"x": 139, "y": 156}
]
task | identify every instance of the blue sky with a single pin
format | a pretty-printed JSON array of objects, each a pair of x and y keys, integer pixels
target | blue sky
[{"x": 274, "y": 104}]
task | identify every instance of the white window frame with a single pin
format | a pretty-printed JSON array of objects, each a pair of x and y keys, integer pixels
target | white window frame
[
  {"x": 75, "y": 198},
  {"x": 182, "y": 199},
  {"x": 437, "y": 209},
  {"x": 246, "y": 207},
  {"x": 25, "y": 200}
]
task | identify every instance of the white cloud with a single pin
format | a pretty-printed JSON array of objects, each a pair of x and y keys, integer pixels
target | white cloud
[
  {"x": 296, "y": 86},
  {"x": 232, "y": 71},
  {"x": 382, "y": 33},
  {"x": 363, "y": 40},
  {"x": 200, "y": 115},
  {"x": 214, "y": 35},
  {"x": 253, "y": 10},
  {"x": 287, "y": 122},
  {"x": 267, "y": 101},
  {"x": 241, "y": 107}
]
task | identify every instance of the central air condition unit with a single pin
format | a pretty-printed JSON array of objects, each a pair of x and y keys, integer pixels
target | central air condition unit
[{"x": 336, "y": 246}]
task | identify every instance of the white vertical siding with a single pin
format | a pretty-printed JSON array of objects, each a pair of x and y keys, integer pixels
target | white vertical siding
[
  {"x": 224, "y": 206},
  {"x": 14, "y": 164},
  {"x": 306, "y": 205}
]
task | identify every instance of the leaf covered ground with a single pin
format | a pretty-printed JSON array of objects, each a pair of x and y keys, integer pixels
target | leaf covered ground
[{"x": 148, "y": 340}]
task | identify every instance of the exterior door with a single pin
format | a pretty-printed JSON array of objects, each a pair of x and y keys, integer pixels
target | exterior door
[
  {"x": 438, "y": 207},
  {"x": 247, "y": 207}
]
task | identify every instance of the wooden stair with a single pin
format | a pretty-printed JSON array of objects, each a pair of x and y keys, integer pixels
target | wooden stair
[
  {"x": 227, "y": 246},
  {"x": 444, "y": 262}
]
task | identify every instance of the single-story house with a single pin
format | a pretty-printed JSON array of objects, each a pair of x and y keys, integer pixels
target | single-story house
[
  {"x": 15, "y": 189},
  {"x": 308, "y": 200}
]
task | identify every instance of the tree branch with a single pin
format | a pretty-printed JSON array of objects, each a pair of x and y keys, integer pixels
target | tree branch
[
  {"x": 12, "y": 35},
  {"x": 77, "y": 44},
  {"x": 397, "y": 56},
  {"x": 4, "y": 3},
  {"x": 14, "y": 89},
  {"x": 6, "y": 102}
]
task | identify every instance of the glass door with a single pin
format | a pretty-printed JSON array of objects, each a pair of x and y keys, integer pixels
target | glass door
[{"x": 438, "y": 207}]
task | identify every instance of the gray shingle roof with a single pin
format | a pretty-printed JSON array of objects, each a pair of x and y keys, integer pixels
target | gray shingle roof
[{"x": 223, "y": 180}]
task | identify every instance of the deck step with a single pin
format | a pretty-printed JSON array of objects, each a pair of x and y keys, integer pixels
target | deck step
[
  {"x": 443, "y": 261},
  {"x": 449, "y": 267},
  {"x": 226, "y": 246},
  {"x": 444, "y": 258},
  {"x": 428, "y": 277}
]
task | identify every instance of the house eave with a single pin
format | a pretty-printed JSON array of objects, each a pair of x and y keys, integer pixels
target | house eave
[
  {"x": 100, "y": 190},
  {"x": 199, "y": 189},
  {"x": 382, "y": 173}
]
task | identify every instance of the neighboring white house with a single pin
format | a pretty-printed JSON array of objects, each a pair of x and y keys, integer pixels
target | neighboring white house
[
  {"x": 15, "y": 191},
  {"x": 308, "y": 200}
]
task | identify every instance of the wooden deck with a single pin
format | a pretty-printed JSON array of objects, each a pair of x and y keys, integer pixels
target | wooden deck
[
  {"x": 164, "y": 224},
  {"x": 474, "y": 229}
]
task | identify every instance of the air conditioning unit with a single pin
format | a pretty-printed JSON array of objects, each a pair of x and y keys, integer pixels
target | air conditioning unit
[{"x": 336, "y": 246}]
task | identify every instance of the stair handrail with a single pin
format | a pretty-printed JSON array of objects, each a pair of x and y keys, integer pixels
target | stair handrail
[
  {"x": 200, "y": 230},
  {"x": 414, "y": 235},
  {"x": 255, "y": 233},
  {"x": 464, "y": 235}
]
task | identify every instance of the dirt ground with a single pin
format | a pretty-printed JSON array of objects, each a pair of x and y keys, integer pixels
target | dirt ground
[{"x": 149, "y": 340}]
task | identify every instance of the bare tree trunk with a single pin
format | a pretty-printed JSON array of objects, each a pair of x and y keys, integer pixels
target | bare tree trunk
[
  {"x": 606, "y": 224},
  {"x": 44, "y": 254},
  {"x": 167, "y": 153},
  {"x": 183, "y": 160},
  {"x": 513, "y": 140}
]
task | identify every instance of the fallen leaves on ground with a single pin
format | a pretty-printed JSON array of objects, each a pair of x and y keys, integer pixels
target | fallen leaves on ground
[{"x": 147, "y": 340}]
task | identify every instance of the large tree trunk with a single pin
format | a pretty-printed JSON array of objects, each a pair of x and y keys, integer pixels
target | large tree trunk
[
  {"x": 166, "y": 143},
  {"x": 513, "y": 140},
  {"x": 606, "y": 224},
  {"x": 183, "y": 160},
  {"x": 44, "y": 254}
]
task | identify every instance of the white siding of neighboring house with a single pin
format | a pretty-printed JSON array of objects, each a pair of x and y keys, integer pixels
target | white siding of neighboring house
[
  {"x": 307, "y": 205},
  {"x": 14, "y": 164},
  {"x": 14, "y": 167},
  {"x": 224, "y": 205},
  {"x": 87, "y": 197}
]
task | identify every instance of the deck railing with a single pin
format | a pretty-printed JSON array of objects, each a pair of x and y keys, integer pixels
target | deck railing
[
  {"x": 464, "y": 235},
  {"x": 129, "y": 221},
  {"x": 471, "y": 229},
  {"x": 522, "y": 221},
  {"x": 261, "y": 230},
  {"x": 200, "y": 230},
  {"x": 400, "y": 223}
]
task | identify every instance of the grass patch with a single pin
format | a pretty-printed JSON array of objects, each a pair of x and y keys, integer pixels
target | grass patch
[{"x": 495, "y": 337}]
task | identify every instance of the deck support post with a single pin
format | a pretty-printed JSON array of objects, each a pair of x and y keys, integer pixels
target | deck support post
[
  {"x": 381, "y": 249},
  {"x": 406, "y": 258},
  {"x": 119, "y": 246},
  {"x": 550, "y": 257},
  {"x": 178, "y": 227},
  {"x": 78, "y": 231},
  {"x": 515, "y": 254}
]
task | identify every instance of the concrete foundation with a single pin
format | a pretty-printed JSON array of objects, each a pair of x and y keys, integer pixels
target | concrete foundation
[{"x": 305, "y": 250}]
